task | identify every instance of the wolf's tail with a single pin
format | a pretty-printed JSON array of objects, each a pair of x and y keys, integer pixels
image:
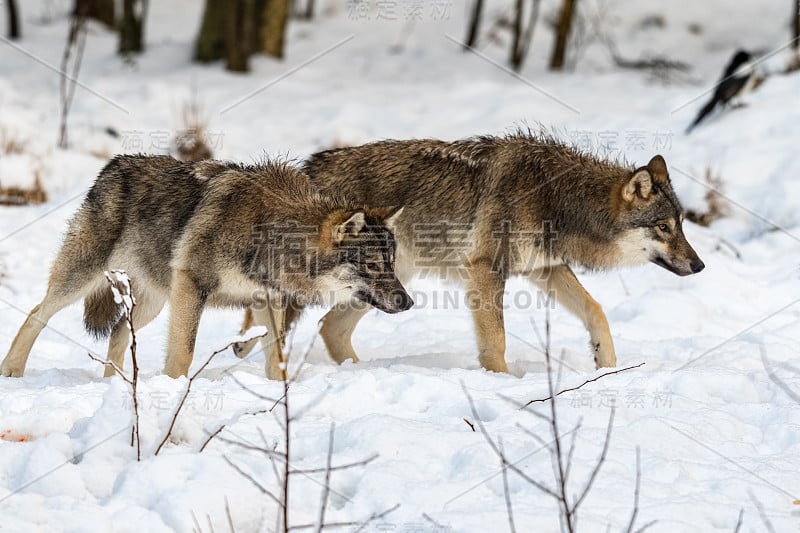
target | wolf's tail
[
  {"x": 101, "y": 312},
  {"x": 90, "y": 240}
]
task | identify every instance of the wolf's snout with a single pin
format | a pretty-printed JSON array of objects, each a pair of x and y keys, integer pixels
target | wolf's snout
[
  {"x": 402, "y": 301},
  {"x": 697, "y": 266}
]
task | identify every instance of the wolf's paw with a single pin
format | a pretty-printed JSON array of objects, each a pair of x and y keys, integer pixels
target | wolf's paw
[
  {"x": 240, "y": 349},
  {"x": 603, "y": 358},
  {"x": 494, "y": 364},
  {"x": 11, "y": 371}
]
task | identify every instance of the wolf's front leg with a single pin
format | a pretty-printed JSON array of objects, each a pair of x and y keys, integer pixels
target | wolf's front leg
[
  {"x": 186, "y": 303},
  {"x": 276, "y": 359},
  {"x": 559, "y": 282},
  {"x": 485, "y": 294}
]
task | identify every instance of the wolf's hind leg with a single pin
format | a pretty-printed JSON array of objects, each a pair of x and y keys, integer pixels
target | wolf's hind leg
[
  {"x": 278, "y": 316},
  {"x": 148, "y": 306},
  {"x": 186, "y": 303},
  {"x": 486, "y": 301},
  {"x": 77, "y": 271},
  {"x": 59, "y": 295},
  {"x": 337, "y": 329},
  {"x": 561, "y": 283}
]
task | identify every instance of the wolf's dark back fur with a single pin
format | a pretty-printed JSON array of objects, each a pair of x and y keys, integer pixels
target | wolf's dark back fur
[
  {"x": 478, "y": 181},
  {"x": 212, "y": 234},
  {"x": 128, "y": 189},
  {"x": 153, "y": 198},
  {"x": 480, "y": 210}
]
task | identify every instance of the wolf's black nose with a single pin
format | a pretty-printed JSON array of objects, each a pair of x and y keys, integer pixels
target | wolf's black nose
[
  {"x": 404, "y": 301},
  {"x": 697, "y": 265}
]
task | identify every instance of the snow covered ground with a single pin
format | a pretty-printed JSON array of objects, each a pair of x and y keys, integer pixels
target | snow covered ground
[{"x": 716, "y": 434}]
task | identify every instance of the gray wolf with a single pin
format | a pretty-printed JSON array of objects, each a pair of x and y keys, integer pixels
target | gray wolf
[
  {"x": 524, "y": 204},
  {"x": 212, "y": 234}
]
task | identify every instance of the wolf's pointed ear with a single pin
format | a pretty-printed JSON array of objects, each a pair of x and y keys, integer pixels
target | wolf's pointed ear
[
  {"x": 390, "y": 219},
  {"x": 639, "y": 186},
  {"x": 352, "y": 226},
  {"x": 658, "y": 168}
]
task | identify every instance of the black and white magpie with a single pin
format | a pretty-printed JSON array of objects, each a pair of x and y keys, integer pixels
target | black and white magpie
[{"x": 737, "y": 80}]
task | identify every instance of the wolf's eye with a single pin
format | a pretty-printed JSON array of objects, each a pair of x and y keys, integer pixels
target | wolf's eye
[
  {"x": 374, "y": 267},
  {"x": 664, "y": 228}
]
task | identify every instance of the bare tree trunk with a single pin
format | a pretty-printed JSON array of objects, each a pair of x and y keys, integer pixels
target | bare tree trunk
[
  {"x": 796, "y": 26},
  {"x": 521, "y": 42},
  {"x": 13, "y": 20},
  {"x": 76, "y": 38},
  {"x": 517, "y": 34},
  {"x": 562, "y": 34},
  {"x": 210, "y": 44},
  {"x": 234, "y": 29},
  {"x": 308, "y": 13},
  {"x": 527, "y": 34},
  {"x": 237, "y": 43},
  {"x": 100, "y": 10},
  {"x": 131, "y": 26},
  {"x": 273, "y": 27},
  {"x": 474, "y": 24},
  {"x": 249, "y": 26}
]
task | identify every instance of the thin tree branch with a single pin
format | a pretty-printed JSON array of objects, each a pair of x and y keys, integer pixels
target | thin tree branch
[
  {"x": 122, "y": 287},
  {"x": 304, "y": 357},
  {"x": 113, "y": 365},
  {"x": 571, "y": 451},
  {"x": 323, "y": 506},
  {"x": 229, "y": 516},
  {"x": 540, "y": 441},
  {"x": 497, "y": 451},
  {"x": 362, "y": 525},
  {"x": 254, "y": 448},
  {"x": 312, "y": 404},
  {"x": 335, "y": 468},
  {"x": 636, "y": 491},
  {"x": 775, "y": 379},
  {"x": 557, "y": 455},
  {"x": 506, "y": 494},
  {"x": 210, "y": 437},
  {"x": 739, "y": 521},
  {"x": 600, "y": 462},
  {"x": 601, "y": 376},
  {"x": 274, "y": 465},
  {"x": 256, "y": 394},
  {"x": 436, "y": 524},
  {"x": 251, "y": 479},
  {"x": 377, "y": 516},
  {"x": 764, "y": 520},
  {"x": 186, "y": 391}
]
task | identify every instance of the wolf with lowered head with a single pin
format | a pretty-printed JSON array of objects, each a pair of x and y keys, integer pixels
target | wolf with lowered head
[{"x": 211, "y": 233}]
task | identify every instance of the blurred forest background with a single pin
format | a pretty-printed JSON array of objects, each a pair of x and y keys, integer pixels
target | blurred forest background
[
  {"x": 506, "y": 33},
  {"x": 234, "y": 30}
]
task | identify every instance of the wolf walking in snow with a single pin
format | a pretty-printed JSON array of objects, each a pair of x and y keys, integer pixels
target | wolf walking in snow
[
  {"x": 519, "y": 205},
  {"x": 212, "y": 234}
]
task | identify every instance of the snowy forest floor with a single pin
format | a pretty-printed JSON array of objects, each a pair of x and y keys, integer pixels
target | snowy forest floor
[{"x": 715, "y": 434}]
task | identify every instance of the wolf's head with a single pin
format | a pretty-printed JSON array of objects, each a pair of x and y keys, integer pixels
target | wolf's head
[
  {"x": 650, "y": 219},
  {"x": 363, "y": 246}
]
